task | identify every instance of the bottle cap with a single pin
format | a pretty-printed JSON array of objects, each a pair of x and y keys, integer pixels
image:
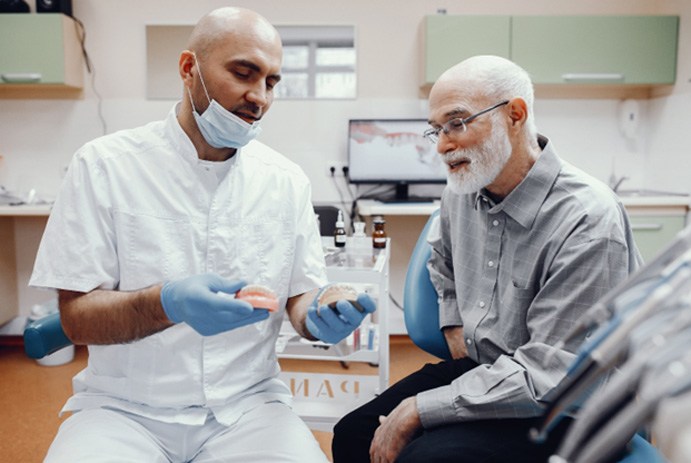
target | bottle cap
[
  {"x": 339, "y": 220},
  {"x": 359, "y": 228}
]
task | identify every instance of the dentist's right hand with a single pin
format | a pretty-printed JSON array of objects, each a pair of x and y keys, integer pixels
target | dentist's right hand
[{"x": 196, "y": 301}]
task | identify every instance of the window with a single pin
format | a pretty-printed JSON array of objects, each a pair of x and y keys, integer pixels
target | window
[{"x": 318, "y": 62}]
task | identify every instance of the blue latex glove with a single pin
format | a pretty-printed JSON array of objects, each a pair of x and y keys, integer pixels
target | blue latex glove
[
  {"x": 329, "y": 325},
  {"x": 200, "y": 302}
]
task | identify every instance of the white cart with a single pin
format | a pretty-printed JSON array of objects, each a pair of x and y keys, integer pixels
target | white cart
[{"x": 322, "y": 398}]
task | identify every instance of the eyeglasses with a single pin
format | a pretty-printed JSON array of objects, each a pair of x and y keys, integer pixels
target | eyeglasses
[{"x": 456, "y": 125}]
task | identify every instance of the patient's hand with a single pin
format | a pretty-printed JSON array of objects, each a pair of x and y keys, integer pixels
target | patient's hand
[
  {"x": 395, "y": 431},
  {"x": 456, "y": 342}
]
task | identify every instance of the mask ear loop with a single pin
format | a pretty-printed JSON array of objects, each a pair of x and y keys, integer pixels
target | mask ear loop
[{"x": 201, "y": 79}]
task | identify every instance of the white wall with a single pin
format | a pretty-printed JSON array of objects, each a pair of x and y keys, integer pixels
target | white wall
[{"x": 38, "y": 137}]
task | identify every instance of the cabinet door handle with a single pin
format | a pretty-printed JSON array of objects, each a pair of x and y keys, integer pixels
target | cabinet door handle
[
  {"x": 21, "y": 77},
  {"x": 592, "y": 77},
  {"x": 646, "y": 226}
]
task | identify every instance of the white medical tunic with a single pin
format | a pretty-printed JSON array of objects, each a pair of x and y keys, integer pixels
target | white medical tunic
[{"x": 137, "y": 208}]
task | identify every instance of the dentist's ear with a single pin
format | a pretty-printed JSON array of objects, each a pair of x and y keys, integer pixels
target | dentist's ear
[{"x": 186, "y": 65}]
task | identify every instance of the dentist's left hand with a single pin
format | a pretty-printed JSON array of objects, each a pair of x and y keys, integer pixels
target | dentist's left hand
[
  {"x": 331, "y": 326},
  {"x": 196, "y": 301}
]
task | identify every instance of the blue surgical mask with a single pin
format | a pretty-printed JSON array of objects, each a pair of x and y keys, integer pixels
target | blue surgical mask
[{"x": 219, "y": 127}]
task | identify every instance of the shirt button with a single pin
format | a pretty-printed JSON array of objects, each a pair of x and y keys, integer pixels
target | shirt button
[
  {"x": 469, "y": 341},
  {"x": 482, "y": 304},
  {"x": 495, "y": 223},
  {"x": 490, "y": 263}
]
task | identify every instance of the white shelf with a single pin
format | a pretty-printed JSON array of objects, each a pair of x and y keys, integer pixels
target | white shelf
[{"x": 295, "y": 347}]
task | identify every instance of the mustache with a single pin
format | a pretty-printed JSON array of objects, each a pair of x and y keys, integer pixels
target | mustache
[
  {"x": 250, "y": 110},
  {"x": 458, "y": 155}
]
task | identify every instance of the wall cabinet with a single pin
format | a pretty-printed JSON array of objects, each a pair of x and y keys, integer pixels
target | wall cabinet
[
  {"x": 38, "y": 50},
  {"x": 596, "y": 49},
  {"x": 449, "y": 39},
  {"x": 564, "y": 50}
]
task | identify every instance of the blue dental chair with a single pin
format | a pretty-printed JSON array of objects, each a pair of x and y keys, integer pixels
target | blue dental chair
[{"x": 421, "y": 315}]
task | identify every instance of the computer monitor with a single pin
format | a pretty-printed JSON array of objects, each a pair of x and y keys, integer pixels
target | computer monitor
[{"x": 393, "y": 151}]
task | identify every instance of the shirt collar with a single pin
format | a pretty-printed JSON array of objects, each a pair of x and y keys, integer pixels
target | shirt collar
[
  {"x": 525, "y": 201},
  {"x": 181, "y": 142}
]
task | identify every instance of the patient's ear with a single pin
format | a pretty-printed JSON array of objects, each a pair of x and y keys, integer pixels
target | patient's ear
[{"x": 518, "y": 112}]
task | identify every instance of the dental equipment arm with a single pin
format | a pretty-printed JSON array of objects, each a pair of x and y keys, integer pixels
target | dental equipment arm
[{"x": 604, "y": 309}]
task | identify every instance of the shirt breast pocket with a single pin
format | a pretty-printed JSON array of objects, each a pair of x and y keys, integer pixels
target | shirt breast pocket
[
  {"x": 515, "y": 303},
  {"x": 153, "y": 249}
]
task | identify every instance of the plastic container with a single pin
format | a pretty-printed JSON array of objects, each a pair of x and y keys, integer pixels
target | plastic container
[
  {"x": 64, "y": 355},
  {"x": 61, "y": 357},
  {"x": 360, "y": 246}
]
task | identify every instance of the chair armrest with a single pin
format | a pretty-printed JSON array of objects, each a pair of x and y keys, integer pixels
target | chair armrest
[{"x": 44, "y": 336}]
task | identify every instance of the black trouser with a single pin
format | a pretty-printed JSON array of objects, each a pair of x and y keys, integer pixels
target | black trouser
[{"x": 500, "y": 440}]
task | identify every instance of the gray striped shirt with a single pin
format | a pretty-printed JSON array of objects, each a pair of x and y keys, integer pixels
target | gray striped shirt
[{"x": 517, "y": 275}]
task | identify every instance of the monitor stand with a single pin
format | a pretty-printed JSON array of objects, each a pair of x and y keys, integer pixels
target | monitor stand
[{"x": 402, "y": 196}]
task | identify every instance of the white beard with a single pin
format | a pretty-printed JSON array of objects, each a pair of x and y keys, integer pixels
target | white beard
[{"x": 486, "y": 161}]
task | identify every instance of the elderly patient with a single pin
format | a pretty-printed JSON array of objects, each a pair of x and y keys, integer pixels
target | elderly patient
[
  {"x": 527, "y": 243},
  {"x": 152, "y": 226}
]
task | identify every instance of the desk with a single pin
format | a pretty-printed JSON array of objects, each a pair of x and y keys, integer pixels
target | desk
[
  {"x": 21, "y": 228},
  {"x": 370, "y": 207}
]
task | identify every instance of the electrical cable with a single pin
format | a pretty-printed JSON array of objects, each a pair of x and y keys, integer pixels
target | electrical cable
[
  {"x": 364, "y": 195},
  {"x": 342, "y": 202},
  {"x": 395, "y": 302},
  {"x": 81, "y": 31}
]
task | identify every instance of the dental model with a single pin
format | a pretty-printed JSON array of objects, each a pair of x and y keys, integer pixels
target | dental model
[
  {"x": 259, "y": 296},
  {"x": 336, "y": 292}
]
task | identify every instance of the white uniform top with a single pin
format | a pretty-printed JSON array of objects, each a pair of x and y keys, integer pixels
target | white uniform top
[{"x": 137, "y": 208}]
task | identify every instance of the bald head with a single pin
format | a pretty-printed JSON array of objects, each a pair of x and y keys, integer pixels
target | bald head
[{"x": 230, "y": 22}]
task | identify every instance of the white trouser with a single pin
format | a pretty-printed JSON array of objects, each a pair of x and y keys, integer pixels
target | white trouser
[{"x": 269, "y": 433}]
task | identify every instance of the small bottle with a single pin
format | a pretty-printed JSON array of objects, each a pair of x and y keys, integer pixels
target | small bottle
[
  {"x": 360, "y": 246},
  {"x": 339, "y": 231},
  {"x": 379, "y": 234}
]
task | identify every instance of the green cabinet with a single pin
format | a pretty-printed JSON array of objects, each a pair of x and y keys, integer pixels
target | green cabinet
[
  {"x": 653, "y": 233},
  {"x": 619, "y": 50},
  {"x": 596, "y": 49},
  {"x": 40, "y": 49},
  {"x": 449, "y": 39}
]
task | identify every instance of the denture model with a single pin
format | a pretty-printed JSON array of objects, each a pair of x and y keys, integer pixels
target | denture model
[
  {"x": 336, "y": 292},
  {"x": 259, "y": 296}
]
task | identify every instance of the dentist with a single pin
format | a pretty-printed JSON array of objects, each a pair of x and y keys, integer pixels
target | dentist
[{"x": 151, "y": 227}]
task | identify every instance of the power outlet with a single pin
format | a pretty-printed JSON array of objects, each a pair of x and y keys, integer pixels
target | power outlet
[{"x": 335, "y": 168}]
